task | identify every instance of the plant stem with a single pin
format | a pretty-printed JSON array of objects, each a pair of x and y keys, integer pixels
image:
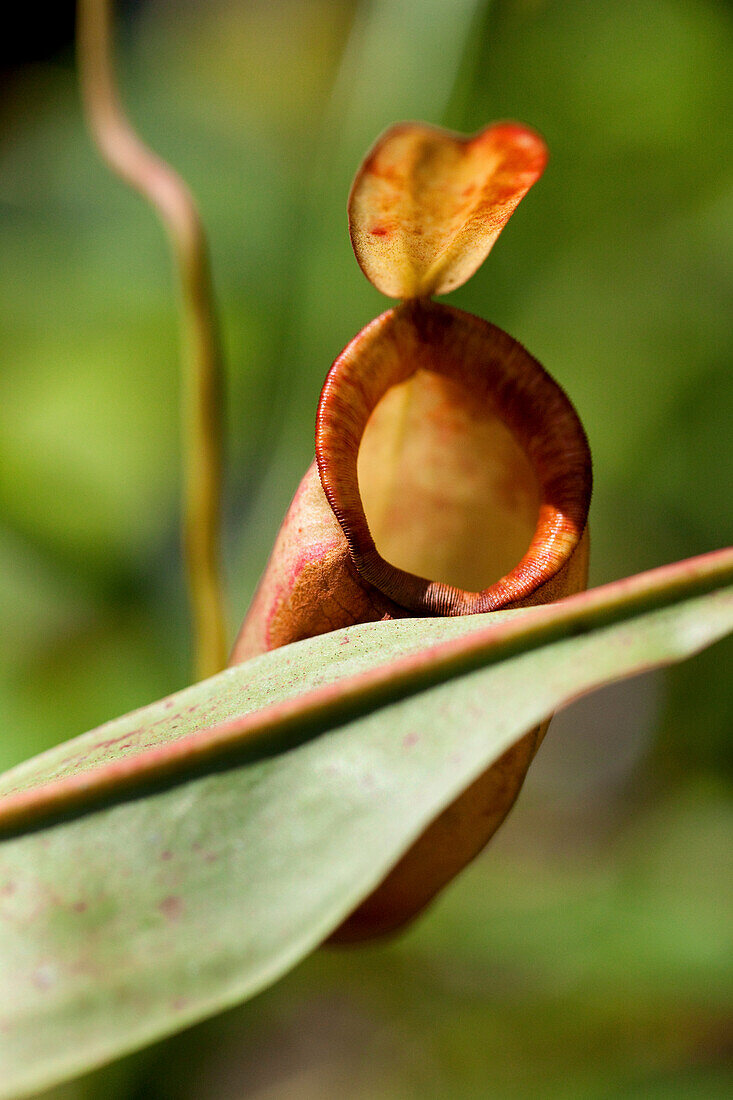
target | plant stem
[{"x": 202, "y": 389}]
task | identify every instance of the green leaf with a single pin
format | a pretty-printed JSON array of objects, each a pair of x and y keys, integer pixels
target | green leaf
[{"x": 128, "y": 922}]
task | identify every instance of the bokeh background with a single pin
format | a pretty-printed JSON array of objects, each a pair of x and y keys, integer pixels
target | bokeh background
[{"x": 588, "y": 952}]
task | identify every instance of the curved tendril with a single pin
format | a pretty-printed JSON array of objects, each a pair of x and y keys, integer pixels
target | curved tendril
[{"x": 202, "y": 388}]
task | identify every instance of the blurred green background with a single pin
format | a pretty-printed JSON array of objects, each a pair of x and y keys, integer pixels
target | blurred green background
[{"x": 588, "y": 952}]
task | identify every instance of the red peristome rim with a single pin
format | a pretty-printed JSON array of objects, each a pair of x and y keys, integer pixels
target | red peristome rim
[{"x": 536, "y": 410}]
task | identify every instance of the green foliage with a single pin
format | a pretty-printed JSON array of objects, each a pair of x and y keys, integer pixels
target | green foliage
[
  {"x": 616, "y": 276},
  {"x": 130, "y": 922}
]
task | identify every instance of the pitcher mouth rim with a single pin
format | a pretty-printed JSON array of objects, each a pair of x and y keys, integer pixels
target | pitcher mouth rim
[{"x": 531, "y": 404}]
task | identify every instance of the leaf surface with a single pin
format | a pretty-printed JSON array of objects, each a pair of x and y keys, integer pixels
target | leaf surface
[{"x": 127, "y": 923}]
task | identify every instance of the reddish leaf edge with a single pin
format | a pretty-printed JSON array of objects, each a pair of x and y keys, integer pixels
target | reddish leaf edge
[{"x": 282, "y": 726}]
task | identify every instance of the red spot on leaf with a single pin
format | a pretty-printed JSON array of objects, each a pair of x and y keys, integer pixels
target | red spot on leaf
[
  {"x": 122, "y": 737},
  {"x": 410, "y": 739},
  {"x": 44, "y": 976},
  {"x": 171, "y": 907}
]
